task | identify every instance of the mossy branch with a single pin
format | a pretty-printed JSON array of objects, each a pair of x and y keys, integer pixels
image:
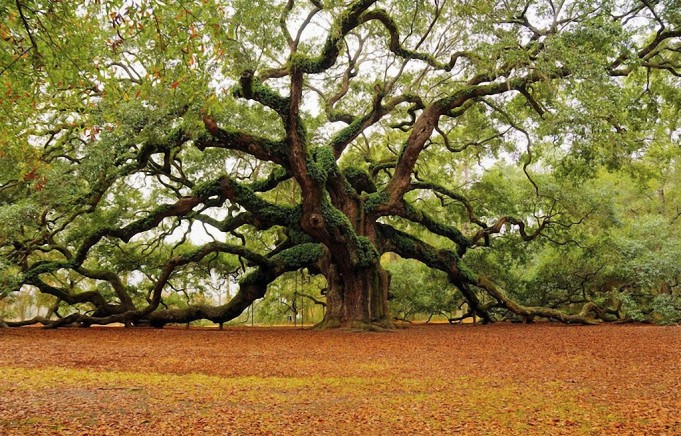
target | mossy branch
[
  {"x": 409, "y": 212},
  {"x": 472, "y": 217},
  {"x": 347, "y": 21},
  {"x": 233, "y": 139},
  {"x": 252, "y": 88},
  {"x": 448, "y": 261},
  {"x": 461, "y": 276}
]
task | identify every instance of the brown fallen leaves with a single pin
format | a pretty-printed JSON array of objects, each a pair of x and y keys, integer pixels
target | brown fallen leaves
[{"x": 439, "y": 379}]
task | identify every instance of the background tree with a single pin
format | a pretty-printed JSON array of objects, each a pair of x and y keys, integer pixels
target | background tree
[
  {"x": 146, "y": 145},
  {"x": 417, "y": 289},
  {"x": 294, "y": 298},
  {"x": 622, "y": 255}
]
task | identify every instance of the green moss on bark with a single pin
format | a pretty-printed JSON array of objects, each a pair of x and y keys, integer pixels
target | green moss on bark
[
  {"x": 374, "y": 200},
  {"x": 207, "y": 189},
  {"x": 299, "y": 256},
  {"x": 367, "y": 255},
  {"x": 347, "y": 134},
  {"x": 321, "y": 164}
]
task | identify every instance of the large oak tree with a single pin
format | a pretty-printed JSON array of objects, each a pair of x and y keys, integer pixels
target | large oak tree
[{"x": 304, "y": 134}]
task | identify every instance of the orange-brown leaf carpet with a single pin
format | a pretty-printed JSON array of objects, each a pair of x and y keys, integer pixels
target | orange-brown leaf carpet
[{"x": 433, "y": 379}]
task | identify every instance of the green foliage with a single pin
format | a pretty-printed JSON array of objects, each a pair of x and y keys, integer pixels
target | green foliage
[
  {"x": 417, "y": 289},
  {"x": 623, "y": 254},
  {"x": 287, "y": 300},
  {"x": 130, "y": 132}
]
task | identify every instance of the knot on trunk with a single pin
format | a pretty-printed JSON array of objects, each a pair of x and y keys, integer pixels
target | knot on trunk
[{"x": 316, "y": 221}]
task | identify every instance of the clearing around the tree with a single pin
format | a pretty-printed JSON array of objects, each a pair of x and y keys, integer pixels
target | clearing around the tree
[{"x": 435, "y": 379}]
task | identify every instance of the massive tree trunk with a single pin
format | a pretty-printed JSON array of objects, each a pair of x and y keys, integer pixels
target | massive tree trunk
[
  {"x": 357, "y": 284},
  {"x": 358, "y": 299}
]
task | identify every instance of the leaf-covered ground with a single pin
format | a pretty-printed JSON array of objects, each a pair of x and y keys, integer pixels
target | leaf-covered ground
[{"x": 499, "y": 379}]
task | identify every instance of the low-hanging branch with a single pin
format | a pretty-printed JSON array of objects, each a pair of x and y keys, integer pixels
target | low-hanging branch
[{"x": 445, "y": 260}]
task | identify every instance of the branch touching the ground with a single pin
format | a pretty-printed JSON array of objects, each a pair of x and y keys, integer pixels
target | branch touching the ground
[
  {"x": 448, "y": 261},
  {"x": 529, "y": 312},
  {"x": 251, "y": 287},
  {"x": 407, "y": 246}
]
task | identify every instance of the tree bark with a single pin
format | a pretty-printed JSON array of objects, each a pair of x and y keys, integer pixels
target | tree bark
[{"x": 358, "y": 299}]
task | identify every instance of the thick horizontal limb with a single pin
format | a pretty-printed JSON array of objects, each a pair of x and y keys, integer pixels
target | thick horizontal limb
[
  {"x": 233, "y": 139},
  {"x": 409, "y": 212},
  {"x": 445, "y": 260},
  {"x": 252, "y": 287}
]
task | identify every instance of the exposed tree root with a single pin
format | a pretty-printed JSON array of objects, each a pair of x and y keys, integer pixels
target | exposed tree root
[{"x": 400, "y": 319}]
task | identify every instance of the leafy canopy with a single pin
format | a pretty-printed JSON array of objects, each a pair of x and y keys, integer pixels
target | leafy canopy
[{"x": 150, "y": 150}]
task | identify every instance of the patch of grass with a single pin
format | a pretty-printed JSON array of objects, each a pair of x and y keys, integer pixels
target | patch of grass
[{"x": 437, "y": 404}]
